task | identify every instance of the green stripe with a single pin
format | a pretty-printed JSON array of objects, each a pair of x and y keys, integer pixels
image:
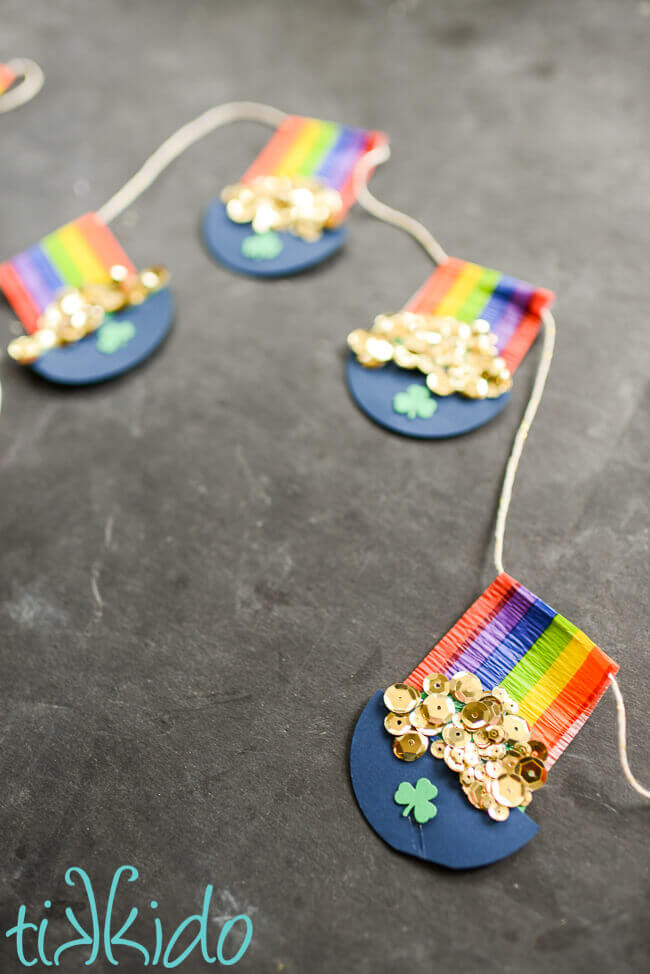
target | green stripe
[
  {"x": 63, "y": 263},
  {"x": 327, "y": 138},
  {"x": 541, "y": 655},
  {"x": 479, "y": 297}
]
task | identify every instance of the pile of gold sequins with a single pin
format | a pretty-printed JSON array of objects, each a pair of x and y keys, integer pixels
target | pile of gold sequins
[
  {"x": 454, "y": 356},
  {"x": 301, "y": 206},
  {"x": 77, "y": 312},
  {"x": 477, "y": 733}
]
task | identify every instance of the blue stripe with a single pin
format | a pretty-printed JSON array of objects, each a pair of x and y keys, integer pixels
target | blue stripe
[{"x": 516, "y": 644}]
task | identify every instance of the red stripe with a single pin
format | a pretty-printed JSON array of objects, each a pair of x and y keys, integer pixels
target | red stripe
[
  {"x": 7, "y": 77},
  {"x": 527, "y": 329},
  {"x": 434, "y": 289},
  {"x": 348, "y": 194},
  {"x": 275, "y": 148},
  {"x": 103, "y": 242},
  {"x": 18, "y": 297},
  {"x": 472, "y": 622},
  {"x": 562, "y": 720}
]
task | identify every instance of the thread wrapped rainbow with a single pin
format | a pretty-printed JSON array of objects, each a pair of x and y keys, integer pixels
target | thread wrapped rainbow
[
  {"x": 81, "y": 252},
  {"x": 7, "y": 78},
  {"x": 314, "y": 149},
  {"x": 467, "y": 291},
  {"x": 509, "y": 637}
]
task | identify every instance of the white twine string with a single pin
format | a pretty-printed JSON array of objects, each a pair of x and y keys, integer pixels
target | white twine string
[
  {"x": 426, "y": 240},
  {"x": 32, "y": 81},
  {"x": 182, "y": 139}
]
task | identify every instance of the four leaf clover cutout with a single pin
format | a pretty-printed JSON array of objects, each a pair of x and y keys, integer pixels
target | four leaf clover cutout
[{"x": 417, "y": 799}]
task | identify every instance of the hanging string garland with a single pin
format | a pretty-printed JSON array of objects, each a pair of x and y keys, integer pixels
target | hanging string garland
[{"x": 503, "y": 693}]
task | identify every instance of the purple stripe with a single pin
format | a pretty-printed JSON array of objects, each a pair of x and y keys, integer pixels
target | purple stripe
[
  {"x": 342, "y": 158},
  {"x": 509, "y": 322},
  {"x": 32, "y": 281},
  {"x": 496, "y": 631}
]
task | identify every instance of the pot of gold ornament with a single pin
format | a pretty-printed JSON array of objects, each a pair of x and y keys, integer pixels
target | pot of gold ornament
[
  {"x": 288, "y": 211},
  {"x": 88, "y": 314},
  {"x": 444, "y": 365}
]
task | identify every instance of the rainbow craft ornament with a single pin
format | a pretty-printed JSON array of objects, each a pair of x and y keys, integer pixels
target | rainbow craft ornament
[
  {"x": 465, "y": 292},
  {"x": 552, "y": 671},
  {"x": 82, "y": 253},
  {"x": 304, "y": 156}
]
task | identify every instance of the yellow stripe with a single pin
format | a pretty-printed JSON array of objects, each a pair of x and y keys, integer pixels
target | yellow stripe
[
  {"x": 460, "y": 290},
  {"x": 299, "y": 149},
  {"x": 78, "y": 249},
  {"x": 550, "y": 685}
]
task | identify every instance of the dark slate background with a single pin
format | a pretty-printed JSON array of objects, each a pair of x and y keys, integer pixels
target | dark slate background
[{"x": 210, "y": 565}]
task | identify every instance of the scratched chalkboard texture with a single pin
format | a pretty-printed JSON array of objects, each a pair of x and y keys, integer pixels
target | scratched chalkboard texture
[{"x": 210, "y": 565}]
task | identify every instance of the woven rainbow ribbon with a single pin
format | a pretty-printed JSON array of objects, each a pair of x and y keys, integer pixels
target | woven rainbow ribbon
[
  {"x": 81, "y": 252},
  {"x": 314, "y": 149},
  {"x": 467, "y": 291},
  {"x": 509, "y": 637},
  {"x": 7, "y": 78}
]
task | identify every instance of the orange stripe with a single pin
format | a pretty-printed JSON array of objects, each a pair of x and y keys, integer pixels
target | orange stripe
[
  {"x": 18, "y": 297},
  {"x": 348, "y": 195},
  {"x": 274, "y": 150},
  {"x": 102, "y": 241},
  {"x": 435, "y": 288},
  {"x": 437, "y": 660},
  {"x": 564, "y": 717}
]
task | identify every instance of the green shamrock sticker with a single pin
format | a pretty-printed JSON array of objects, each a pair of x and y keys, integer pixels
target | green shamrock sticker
[
  {"x": 415, "y": 402},
  {"x": 261, "y": 246},
  {"x": 418, "y": 799},
  {"x": 113, "y": 335}
]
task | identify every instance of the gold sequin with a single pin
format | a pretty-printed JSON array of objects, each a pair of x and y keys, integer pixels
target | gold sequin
[
  {"x": 466, "y": 688},
  {"x": 396, "y": 724},
  {"x": 435, "y": 683},
  {"x": 455, "y": 736},
  {"x": 516, "y": 729},
  {"x": 509, "y": 790},
  {"x": 438, "y": 708},
  {"x": 401, "y": 698},
  {"x": 533, "y": 772},
  {"x": 498, "y": 812},
  {"x": 538, "y": 750},
  {"x": 438, "y": 749},
  {"x": 410, "y": 746},
  {"x": 475, "y": 715}
]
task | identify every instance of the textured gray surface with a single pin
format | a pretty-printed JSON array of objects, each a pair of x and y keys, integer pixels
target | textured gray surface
[{"x": 210, "y": 565}]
